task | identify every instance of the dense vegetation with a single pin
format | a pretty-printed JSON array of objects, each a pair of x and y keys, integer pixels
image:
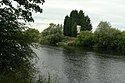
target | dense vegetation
[
  {"x": 71, "y": 22},
  {"x": 104, "y": 37},
  {"x": 15, "y": 43},
  {"x": 33, "y": 35},
  {"x": 52, "y": 35},
  {"x": 85, "y": 39}
]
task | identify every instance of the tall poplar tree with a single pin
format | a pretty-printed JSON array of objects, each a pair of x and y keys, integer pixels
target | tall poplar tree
[
  {"x": 87, "y": 24},
  {"x": 74, "y": 29},
  {"x": 75, "y": 16},
  {"x": 84, "y": 21},
  {"x": 66, "y": 29}
]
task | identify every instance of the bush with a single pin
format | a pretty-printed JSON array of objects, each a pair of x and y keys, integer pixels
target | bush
[
  {"x": 52, "y": 35},
  {"x": 85, "y": 39},
  {"x": 106, "y": 37}
]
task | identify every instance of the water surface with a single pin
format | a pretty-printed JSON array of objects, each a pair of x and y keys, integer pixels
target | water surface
[{"x": 73, "y": 65}]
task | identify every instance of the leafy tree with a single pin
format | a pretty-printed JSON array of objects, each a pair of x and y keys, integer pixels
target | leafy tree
[
  {"x": 120, "y": 41},
  {"x": 105, "y": 36},
  {"x": 85, "y": 39},
  {"x": 52, "y": 35},
  {"x": 15, "y": 47},
  {"x": 22, "y": 10},
  {"x": 33, "y": 35}
]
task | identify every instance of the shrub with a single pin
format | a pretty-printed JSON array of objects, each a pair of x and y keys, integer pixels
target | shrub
[{"x": 85, "y": 39}]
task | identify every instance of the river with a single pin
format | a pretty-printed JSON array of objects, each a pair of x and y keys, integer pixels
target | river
[{"x": 73, "y": 65}]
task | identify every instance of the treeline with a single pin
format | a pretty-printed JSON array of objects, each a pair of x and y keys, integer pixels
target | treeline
[
  {"x": 76, "y": 19},
  {"x": 104, "y": 37}
]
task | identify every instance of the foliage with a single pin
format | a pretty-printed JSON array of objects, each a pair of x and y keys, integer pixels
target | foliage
[
  {"x": 84, "y": 22},
  {"x": 77, "y": 19},
  {"x": 67, "y": 26},
  {"x": 32, "y": 35},
  {"x": 105, "y": 36},
  {"x": 74, "y": 30},
  {"x": 120, "y": 41},
  {"x": 23, "y": 74},
  {"x": 85, "y": 39},
  {"x": 21, "y": 9},
  {"x": 15, "y": 43},
  {"x": 74, "y": 16},
  {"x": 15, "y": 47},
  {"x": 52, "y": 35}
]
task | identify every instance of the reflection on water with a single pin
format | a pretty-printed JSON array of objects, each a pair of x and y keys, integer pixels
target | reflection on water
[
  {"x": 81, "y": 66},
  {"x": 70, "y": 65}
]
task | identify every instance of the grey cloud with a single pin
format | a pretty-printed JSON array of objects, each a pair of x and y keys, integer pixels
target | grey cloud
[{"x": 97, "y": 10}]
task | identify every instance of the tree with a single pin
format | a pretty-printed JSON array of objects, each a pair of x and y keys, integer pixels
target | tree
[
  {"x": 67, "y": 26},
  {"x": 105, "y": 36},
  {"x": 52, "y": 35},
  {"x": 85, "y": 39},
  {"x": 24, "y": 8},
  {"x": 15, "y": 47},
  {"x": 74, "y": 29},
  {"x": 87, "y": 24},
  {"x": 84, "y": 22},
  {"x": 78, "y": 18},
  {"x": 81, "y": 18},
  {"x": 33, "y": 35},
  {"x": 74, "y": 16},
  {"x": 103, "y": 24}
]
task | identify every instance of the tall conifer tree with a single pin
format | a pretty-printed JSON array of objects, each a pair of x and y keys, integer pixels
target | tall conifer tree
[{"x": 74, "y": 20}]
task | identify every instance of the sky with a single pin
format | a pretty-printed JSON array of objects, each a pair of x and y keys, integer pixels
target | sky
[{"x": 54, "y": 11}]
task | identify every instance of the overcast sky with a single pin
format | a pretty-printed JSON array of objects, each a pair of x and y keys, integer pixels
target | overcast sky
[{"x": 54, "y": 11}]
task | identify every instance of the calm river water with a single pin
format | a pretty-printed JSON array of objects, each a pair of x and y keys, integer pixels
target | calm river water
[{"x": 72, "y": 65}]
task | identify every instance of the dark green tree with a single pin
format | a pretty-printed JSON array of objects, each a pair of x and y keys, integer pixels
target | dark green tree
[
  {"x": 33, "y": 35},
  {"x": 52, "y": 35},
  {"x": 84, "y": 22},
  {"x": 105, "y": 36},
  {"x": 74, "y": 29},
  {"x": 67, "y": 27},
  {"x": 24, "y": 8},
  {"x": 15, "y": 47},
  {"x": 87, "y": 24},
  {"x": 74, "y": 16},
  {"x": 78, "y": 18},
  {"x": 85, "y": 39},
  {"x": 81, "y": 18}
]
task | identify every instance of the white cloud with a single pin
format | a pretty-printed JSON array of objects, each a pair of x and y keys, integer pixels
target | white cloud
[{"x": 54, "y": 11}]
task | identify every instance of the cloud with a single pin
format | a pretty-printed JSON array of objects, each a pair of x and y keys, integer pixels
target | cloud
[{"x": 54, "y": 11}]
